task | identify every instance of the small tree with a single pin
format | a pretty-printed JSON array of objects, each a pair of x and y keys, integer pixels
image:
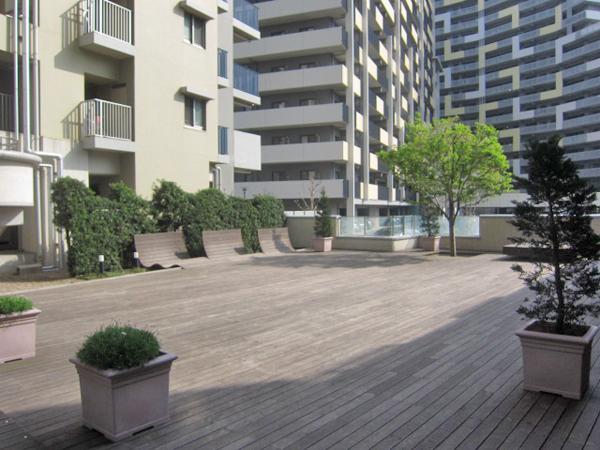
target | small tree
[
  {"x": 323, "y": 223},
  {"x": 555, "y": 222},
  {"x": 430, "y": 219},
  {"x": 451, "y": 166}
]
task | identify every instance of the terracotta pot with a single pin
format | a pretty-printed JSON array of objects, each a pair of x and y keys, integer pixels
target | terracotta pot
[
  {"x": 430, "y": 243},
  {"x": 17, "y": 335},
  {"x": 118, "y": 403},
  {"x": 556, "y": 363},
  {"x": 321, "y": 244}
]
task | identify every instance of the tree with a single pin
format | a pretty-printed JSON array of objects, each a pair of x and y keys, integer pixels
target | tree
[
  {"x": 451, "y": 166},
  {"x": 323, "y": 224},
  {"x": 555, "y": 223},
  {"x": 311, "y": 201}
]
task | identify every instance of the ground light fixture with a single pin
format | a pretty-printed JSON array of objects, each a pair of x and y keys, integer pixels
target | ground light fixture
[
  {"x": 136, "y": 259},
  {"x": 101, "y": 263}
]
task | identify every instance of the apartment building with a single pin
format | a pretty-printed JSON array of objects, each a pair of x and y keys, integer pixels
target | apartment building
[
  {"x": 118, "y": 90},
  {"x": 339, "y": 79},
  {"x": 531, "y": 68}
]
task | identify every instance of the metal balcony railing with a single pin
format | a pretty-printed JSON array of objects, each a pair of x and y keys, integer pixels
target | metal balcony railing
[
  {"x": 108, "y": 18},
  {"x": 246, "y": 12},
  {"x": 6, "y": 112},
  {"x": 101, "y": 118},
  {"x": 245, "y": 79},
  {"x": 222, "y": 63}
]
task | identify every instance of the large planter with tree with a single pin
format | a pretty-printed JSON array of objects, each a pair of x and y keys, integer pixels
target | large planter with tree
[
  {"x": 323, "y": 242},
  {"x": 124, "y": 381},
  {"x": 18, "y": 320},
  {"x": 557, "y": 343},
  {"x": 430, "y": 241},
  {"x": 451, "y": 166}
]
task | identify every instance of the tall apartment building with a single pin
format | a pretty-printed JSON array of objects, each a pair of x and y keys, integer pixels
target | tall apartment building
[
  {"x": 118, "y": 90},
  {"x": 338, "y": 81},
  {"x": 531, "y": 68}
]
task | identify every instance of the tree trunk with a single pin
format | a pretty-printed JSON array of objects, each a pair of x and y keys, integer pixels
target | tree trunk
[{"x": 452, "y": 235}]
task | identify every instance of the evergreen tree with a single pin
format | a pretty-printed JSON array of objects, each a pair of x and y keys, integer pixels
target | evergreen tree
[{"x": 323, "y": 224}]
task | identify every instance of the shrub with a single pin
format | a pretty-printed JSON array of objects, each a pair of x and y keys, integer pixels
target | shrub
[
  {"x": 119, "y": 347},
  {"x": 271, "y": 212},
  {"x": 12, "y": 304},
  {"x": 246, "y": 218},
  {"x": 68, "y": 196},
  {"x": 170, "y": 205},
  {"x": 323, "y": 224}
]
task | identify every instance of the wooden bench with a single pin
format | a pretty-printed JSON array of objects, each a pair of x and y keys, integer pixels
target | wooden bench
[
  {"x": 164, "y": 250},
  {"x": 223, "y": 244},
  {"x": 274, "y": 241},
  {"x": 530, "y": 253}
]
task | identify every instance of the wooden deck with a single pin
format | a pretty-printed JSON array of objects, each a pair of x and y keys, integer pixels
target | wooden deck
[{"x": 342, "y": 350}]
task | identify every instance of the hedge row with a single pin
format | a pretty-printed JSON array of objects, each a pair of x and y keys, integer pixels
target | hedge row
[{"x": 97, "y": 225}]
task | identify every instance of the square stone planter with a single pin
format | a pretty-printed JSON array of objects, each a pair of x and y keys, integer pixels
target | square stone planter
[
  {"x": 17, "y": 335},
  {"x": 322, "y": 244},
  {"x": 119, "y": 403},
  {"x": 555, "y": 363},
  {"x": 430, "y": 243}
]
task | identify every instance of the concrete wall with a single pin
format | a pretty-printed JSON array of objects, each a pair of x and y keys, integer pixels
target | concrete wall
[{"x": 301, "y": 231}]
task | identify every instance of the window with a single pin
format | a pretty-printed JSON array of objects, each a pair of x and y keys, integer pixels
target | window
[
  {"x": 309, "y": 175},
  {"x": 279, "y": 176},
  {"x": 195, "y": 113},
  {"x": 308, "y": 102},
  {"x": 194, "y": 30},
  {"x": 280, "y": 104},
  {"x": 309, "y": 138},
  {"x": 280, "y": 140}
]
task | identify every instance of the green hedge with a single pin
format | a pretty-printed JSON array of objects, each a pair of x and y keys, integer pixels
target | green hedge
[{"x": 271, "y": 213}]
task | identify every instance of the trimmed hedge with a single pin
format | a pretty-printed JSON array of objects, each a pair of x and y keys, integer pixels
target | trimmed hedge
[
  {"x": 170, "y": 205},
  {"x": 11, "y": 304},
  {"x": 271, "y": 212}
]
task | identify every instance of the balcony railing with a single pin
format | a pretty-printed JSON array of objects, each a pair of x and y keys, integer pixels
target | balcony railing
[
  {"x": 222, "y": 63},
  {"x": 245, "y": 79},
  {"x": 6, "y": 112},
  {"x": 246, "y": 12},
  {"x": 108, "y": 18},
  {"x": 106, "y": 119}
]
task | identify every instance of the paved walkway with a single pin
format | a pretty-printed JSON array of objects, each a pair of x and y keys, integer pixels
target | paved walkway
[{"x": 345, "y": 350}]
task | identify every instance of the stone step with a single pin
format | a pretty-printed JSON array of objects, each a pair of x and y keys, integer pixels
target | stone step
[{"x": 25, "y": 269}]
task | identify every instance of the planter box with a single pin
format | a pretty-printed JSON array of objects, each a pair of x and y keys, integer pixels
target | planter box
[
  {"x": 119, "y": 403},
  {"x": 322, "y": 244},
  {"x": 555, "y": 363},
  {"x": 430, "y": 244},
  {"x": 17, "y": 335}
]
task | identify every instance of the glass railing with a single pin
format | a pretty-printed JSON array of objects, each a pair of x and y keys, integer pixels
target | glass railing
[
  {"x": 246, "y": 12},
  {"x": 222, "y": 63},
  {"x": 403, "y": 226},
  {"x": 245, "y": 79}
]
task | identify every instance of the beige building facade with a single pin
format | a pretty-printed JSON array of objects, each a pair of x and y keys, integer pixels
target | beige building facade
[{"x": 127, "y": 90}]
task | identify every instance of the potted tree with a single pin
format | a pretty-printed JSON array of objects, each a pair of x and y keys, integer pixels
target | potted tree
[
  {"x": 430, "y": 225},
  {"x": 323, "y": 225},
  {"x": 18, "y": 320},
  {"x": 555, "y": 224},
  {"x": 124, "y": 381}
]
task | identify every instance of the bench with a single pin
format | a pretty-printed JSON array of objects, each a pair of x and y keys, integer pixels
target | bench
[
  {"x": 223, "y": 244},
  {"x": 529, "y": 253},
  {"x": 275, "y": 241},
  {"x": 164, "y": 250}
]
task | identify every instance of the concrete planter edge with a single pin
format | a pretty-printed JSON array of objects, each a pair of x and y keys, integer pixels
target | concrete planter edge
[
  {"x": 322, "y": 244},
  {"x": 18, "y": 335}
]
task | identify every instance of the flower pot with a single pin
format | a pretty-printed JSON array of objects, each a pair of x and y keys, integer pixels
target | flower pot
[
  {"x": 430, "y": 243},
  {"x": 321, "y": 244},
  {"x": 556, "y": 363},
  {"x": 119, "y": 403},
  {"x": 17, "y": 335}
]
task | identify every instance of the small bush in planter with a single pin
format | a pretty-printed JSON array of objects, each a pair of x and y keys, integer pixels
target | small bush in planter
[
  {"x": 12, "y": 304},
  {"x": 119, "y": 347},
  {"x": 124, "y": 380},
  {"x": 555, "y": 223},
  {"x": 17, "y": 328}
]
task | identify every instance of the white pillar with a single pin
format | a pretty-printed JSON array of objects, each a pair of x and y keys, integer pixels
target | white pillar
[
  {"x": 26, "y": 80},
  {"x": 16, "y": 69}
]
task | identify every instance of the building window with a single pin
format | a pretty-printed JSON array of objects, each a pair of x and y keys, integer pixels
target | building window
[
  {"x": 280, "y": 140},
  {"x": 309, "y": 175},
  {"x": 308, "y": 102},
  {"x": 194, "y": 30},
  {"x": 195, "y": 113},
  {"x": 279, "y": 176},
  {"x": 223, "y": 141}
]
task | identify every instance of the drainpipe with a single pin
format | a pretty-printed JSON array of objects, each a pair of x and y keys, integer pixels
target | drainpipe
[
  {"x": 35, "y": 78},
  {"x": 58, "y": 238},
  {"x": 46, "y": 177},
  {"x": 26, "y": 79},
  {"x": 16, "y": 70}
]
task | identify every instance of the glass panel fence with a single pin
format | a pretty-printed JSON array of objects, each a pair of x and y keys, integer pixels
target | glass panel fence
[{"x": 403, "y": 226}]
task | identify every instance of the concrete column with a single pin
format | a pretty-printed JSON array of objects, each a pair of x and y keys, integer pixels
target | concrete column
[
  {"x": 422, "y": 59},
  {"x": 350, "y": 125},
  {"x": 366, "y": 7},
  {"x": 389, "y": 44}
]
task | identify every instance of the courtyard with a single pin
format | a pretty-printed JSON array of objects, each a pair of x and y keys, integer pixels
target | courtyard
[{"x": 341, "y": 350}]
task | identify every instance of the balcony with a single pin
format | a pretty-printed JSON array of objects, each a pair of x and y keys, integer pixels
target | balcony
[
  {"x": 245, "y": 20},
  {"x": 106, "y": 29},
  {"x": 292, "y": 45},
  {"x": 331, "y": 114},
  {"x": 291, "y": 190},
  {"x": 245, "y": 85},
  {"x": 285, "y": 11},
  {"x": 106, "y": 126},
  {"x": 314, "y": 78},
  {"x": 246, "y": 154},
  {"x": 333, "y": 151}
]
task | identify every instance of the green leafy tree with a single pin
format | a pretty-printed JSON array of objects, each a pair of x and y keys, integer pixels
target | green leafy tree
[
  {"x": 170, "y": 205},
  {"x": 323, "y": 223},
  {"x": 451, "y": 166},
  {"x": 555, "y": 222}
]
